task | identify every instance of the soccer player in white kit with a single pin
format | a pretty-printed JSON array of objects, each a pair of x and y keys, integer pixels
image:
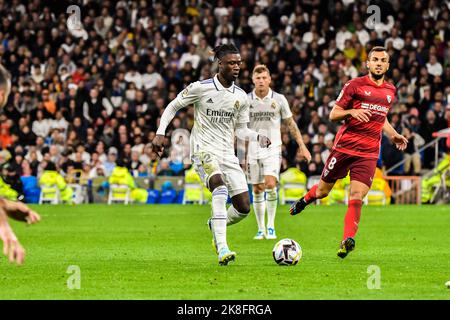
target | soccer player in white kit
[
  {"x": 267, "y": 110},
  {"x": 221, "y": 112}
]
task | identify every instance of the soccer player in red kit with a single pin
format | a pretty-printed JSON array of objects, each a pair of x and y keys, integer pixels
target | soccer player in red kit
[{"x": 363, "y": 104}]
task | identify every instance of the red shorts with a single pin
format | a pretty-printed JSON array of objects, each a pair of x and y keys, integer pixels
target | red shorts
[{"x": 338, "y": 164}]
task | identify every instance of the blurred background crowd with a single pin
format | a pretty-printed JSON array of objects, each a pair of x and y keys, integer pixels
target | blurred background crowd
[{"x": 90, "y": 98}]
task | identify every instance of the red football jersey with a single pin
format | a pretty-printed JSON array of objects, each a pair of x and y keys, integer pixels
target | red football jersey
[{"x": 363, "y": 138}]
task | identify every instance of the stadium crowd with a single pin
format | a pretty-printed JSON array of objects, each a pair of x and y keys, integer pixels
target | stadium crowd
[{"x": 89, "y": 97}]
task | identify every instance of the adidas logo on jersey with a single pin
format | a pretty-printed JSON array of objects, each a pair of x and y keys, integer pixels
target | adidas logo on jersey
[{"x": 209, "y": 101}]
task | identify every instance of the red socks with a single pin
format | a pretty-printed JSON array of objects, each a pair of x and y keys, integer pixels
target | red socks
[
  {"x": 352, "y": 217},
  {"x": 311, "y": 195}
]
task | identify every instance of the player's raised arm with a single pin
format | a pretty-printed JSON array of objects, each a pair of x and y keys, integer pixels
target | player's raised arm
[
  {"x": 295, "y": 132},
  {"x": 188, "y": 96},
  {"x": 400, "y": 141}
]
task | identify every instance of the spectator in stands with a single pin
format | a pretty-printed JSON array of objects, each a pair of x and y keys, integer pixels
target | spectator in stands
[
  {"x": 164, "y": 168},
  {"x": 258, "y": 21},
  {"x": 110, "y": 162},
  {"x": 431, "y": 124},
  {"x": 134, "y": 164},
  {"x": 411, "y": 154},
  {"x": 390, "y": 155},
  {"x": 41, "y": 125}
]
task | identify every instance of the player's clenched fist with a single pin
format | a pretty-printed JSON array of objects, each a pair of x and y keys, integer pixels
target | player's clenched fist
[
  {"x": 362, "y": 115},
  {"x": 157, "y": 144},
  {"x": 264, "y": 142}
]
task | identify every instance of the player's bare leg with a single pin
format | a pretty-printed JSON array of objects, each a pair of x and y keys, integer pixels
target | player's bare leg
[
  {"x": 357, "y": 192},
  {"x": 318, "y": 191},
  {"x": 271, "y": 203},
  {"x": 218, "y": 221},
  {"x": 259, "y": 206},
  {"x": 239, "y": 209}
]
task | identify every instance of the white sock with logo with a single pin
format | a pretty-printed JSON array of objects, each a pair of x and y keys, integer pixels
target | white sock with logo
[
  {"x": 259, "y": 206},
  {"x": 219, "y": 216},
  {"x": 272, "y": 201}
]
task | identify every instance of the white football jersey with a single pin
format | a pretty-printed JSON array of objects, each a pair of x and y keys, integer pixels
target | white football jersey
[
  {"x": 217, "y": 110},
  {"x": 265, "y": 118}
]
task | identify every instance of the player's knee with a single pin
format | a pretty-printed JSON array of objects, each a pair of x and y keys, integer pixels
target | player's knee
[
  {"x": 356, "y": 195},
  {"x": 215, "y": 181},
  {"x": 243, "y": 207},
  {"x": 271, "y": 184},
  {"x": 258, "y": 188}
]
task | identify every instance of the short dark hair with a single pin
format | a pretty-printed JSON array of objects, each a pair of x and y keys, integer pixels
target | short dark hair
[
  {"x": 377, "y": 49},
  {"x": 224, "y": 49},
  {"x": 5, "y": 77},
  {"x": 50, "y": 166}
]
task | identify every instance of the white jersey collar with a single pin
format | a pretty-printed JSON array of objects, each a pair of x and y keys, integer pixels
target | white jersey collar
[
  {"x": 220, "y": 87},
  {"x": 268, "y": 96}
]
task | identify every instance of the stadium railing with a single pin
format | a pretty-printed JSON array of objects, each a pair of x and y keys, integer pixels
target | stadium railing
[
  {"x": 443, "y": 134},
  {"x": 405, "y": 189}
]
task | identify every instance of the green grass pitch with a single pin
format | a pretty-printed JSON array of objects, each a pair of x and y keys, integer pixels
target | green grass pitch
[{"x": 164, "y": 252}]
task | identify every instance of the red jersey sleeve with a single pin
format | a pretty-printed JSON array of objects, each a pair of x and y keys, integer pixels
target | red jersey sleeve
[{"x": 346, "y": 95}]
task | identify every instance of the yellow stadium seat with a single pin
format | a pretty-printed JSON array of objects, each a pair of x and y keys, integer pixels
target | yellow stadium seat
[
  {"x": 292, "y": 185},
  {"x": 49, "y": 194},
  {"x": 194, "y": 191}
]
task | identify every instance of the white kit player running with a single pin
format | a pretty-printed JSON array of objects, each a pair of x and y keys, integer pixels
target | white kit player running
[
  {"x": 267, "y": 110},
  {"x": 221, "y": 112}
]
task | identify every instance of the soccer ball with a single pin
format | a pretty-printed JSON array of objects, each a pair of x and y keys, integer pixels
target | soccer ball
[{"x": 287, "y": 252}]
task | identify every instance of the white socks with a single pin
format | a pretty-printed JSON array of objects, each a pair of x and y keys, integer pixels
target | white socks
[
  {"x": 259, "y": 205},
  {"x": 234, "y": 216},
  {"x": 272, "y": 201},
  {"x": 219, "y": 216}
]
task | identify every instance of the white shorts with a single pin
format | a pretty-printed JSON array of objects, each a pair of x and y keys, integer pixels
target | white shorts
[
  {"x": 207, "y": 165},
  {"x": 258, "y": 168}
]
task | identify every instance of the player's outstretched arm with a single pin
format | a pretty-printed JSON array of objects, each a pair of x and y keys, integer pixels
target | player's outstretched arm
[
  {"x": 295, "y": 132},
  {"x": 188, "y": 96},
  {"x": 400, "y": 141},
  {"x": 167, "y": 117},
  {"x": 338, "y": 113},
  {"x": 11, "y": 246},
  {"x": 246, "y": 134},
  {"x": 19, "y": 211}
]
